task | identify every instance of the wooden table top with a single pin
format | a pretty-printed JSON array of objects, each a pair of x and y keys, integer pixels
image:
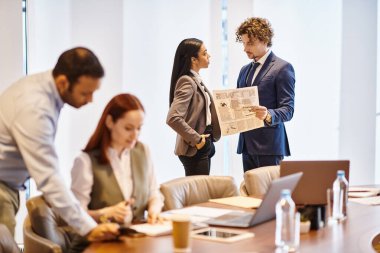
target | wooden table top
[{"x": 354, "y": 235}]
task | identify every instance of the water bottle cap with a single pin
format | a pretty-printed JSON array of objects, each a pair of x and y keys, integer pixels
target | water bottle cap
[
  {"x": 285, "y": 192},
  {"x": 340, "y": 173}
]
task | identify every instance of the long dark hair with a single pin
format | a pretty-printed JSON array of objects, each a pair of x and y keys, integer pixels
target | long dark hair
[
  {"x": 182, "y": 61},
  {"x": 116, "y": 107}
]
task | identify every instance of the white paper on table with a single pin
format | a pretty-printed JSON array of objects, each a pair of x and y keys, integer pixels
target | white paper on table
[
  {"x": 363, "y": 192},
  {"x": 199, "y": 211},
  {"x": 239, "y": 201},
  {"x": 372, "y": 201},
  {"x": 157, "y": 229}
]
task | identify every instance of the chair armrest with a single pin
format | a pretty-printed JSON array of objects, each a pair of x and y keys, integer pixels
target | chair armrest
[
  {"x": 7, "y": 243},
  {"x": 34, "y": 243},
  {"x": 243, "y": 189}
]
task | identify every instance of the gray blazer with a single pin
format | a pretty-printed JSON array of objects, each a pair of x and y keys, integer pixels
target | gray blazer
[{"x": 187, "y": 115}]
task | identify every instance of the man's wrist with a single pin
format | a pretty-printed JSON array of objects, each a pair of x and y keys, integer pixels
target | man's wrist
[{"x": 268, "y": 118}]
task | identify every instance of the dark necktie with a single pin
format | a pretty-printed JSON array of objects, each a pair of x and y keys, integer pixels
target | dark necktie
[{"x": 251, "y": 73}]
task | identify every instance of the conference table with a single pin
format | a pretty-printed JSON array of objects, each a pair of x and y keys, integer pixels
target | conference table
[{"x": 355, "y": 234}]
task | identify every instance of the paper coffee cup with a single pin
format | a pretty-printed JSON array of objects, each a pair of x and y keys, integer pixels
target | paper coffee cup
[{"x": 181, "y": 233}]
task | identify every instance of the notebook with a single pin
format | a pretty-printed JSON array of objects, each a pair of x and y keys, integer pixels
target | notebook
[
  {"x": 266, "y": 210},
  {"x": 239, "y": 201},
  {"x": 317, "y": 177}
]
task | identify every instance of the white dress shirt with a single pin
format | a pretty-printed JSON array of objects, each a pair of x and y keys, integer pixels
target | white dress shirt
[
  {"x": 29, "y": 112},
  {"x": 83, "y": 179},
  {"x": 208, "y": 99},
  {"x": 261, "y": 61}
]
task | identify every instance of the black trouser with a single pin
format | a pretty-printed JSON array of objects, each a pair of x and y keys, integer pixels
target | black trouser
[
  {"x": 255, "y": 161},
  {"x": 200, "y": 163}
]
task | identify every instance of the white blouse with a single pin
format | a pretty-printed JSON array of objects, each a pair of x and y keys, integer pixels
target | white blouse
[
  {"x": 83, "y": 179},
  {"x": 208, "y": 99}
]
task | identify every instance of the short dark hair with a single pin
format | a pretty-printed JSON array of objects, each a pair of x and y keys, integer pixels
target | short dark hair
[
  {"x": 77, "y": 62},
  {"x": 182, "y": 61},
  {"x": 256, "y": 28}
]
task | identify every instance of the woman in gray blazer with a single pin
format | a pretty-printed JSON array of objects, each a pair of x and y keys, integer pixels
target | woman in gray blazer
[{"x": 192, "y": 111}]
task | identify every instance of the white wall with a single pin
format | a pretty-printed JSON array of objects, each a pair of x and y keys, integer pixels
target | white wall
[
  {"x": 377, "y": 148},
  {"x": 358, "y": 91},
  {"x": 11, "y": 46}
]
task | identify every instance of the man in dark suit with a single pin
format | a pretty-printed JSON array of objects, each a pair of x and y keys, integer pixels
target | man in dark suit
[{"x": 275, "y": 81}]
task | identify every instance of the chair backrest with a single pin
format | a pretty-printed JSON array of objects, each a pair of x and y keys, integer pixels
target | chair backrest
[
  {"x": 7, "y": 242},
  {"x": 257, "y": 181},
  {"x": 44, "y": 230},
  {"x": 186, "y": 191}
]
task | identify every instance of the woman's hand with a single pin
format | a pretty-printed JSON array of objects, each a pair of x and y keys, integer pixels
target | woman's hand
[
  {"x": 202, "y": 142},
  {"x": 154, "y": 218},
  {"x": 117, "y": 212}
]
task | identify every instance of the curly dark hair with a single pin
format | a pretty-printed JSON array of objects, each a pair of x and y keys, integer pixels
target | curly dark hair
[{"x": 256, "y": 28}]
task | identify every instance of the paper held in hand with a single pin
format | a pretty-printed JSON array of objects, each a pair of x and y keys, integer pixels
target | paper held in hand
[{"x": 233, "y": 107}]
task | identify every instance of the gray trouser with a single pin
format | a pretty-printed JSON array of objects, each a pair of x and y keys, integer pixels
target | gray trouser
[{"x": 9, "y": 205}]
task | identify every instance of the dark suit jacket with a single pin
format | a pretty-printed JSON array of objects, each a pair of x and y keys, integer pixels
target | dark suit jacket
[
  {"x": 187, "y": 115},
  {"x": 275, "y": 83}
]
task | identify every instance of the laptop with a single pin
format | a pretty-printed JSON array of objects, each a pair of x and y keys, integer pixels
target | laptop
[
  {"x": 317, "y": 177},
  {"x": 266, "y": 210}
]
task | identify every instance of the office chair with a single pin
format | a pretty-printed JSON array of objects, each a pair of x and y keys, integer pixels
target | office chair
[
  {"x": 186, "y": 191},
  {"x": 257, "y": 181},
  {"x": 7, "y": 242},
  {"x": 45, "y": 231}
]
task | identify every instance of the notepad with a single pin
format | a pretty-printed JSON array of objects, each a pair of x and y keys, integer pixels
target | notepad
[
  {"x": 372, "y": 201},
  {"x": 163, "y": 228},
  {"x": 198, "y": 214},
  {"x": 239, "y": 201},
  {"x": 362, "y": 192}
]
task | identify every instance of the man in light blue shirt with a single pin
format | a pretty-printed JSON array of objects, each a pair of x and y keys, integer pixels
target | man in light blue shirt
[{"x": 29, "y": 112}]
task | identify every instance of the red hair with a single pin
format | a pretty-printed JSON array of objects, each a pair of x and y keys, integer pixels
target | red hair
[{"x": 116, "y": 108}]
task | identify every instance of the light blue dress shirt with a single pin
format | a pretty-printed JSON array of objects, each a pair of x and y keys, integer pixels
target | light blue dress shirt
[{"x": 29, "y": 112}]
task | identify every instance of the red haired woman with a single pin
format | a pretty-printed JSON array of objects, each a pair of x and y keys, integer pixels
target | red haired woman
[{"x": 113, "y": 178}]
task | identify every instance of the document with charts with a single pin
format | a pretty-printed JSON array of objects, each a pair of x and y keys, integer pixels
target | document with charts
[{"x": 233, "y": 107}]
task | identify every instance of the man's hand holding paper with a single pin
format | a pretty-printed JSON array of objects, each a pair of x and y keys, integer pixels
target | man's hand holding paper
[
  {"x": 260, "y": 111},
  {"x": 238, "y": 110}
]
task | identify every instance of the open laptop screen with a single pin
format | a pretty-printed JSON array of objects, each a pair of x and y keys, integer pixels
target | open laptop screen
[{"x": 317, "y": 177}]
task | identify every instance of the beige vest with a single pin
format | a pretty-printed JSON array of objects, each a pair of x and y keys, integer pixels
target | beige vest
[{"x": 106, "y": 191}]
